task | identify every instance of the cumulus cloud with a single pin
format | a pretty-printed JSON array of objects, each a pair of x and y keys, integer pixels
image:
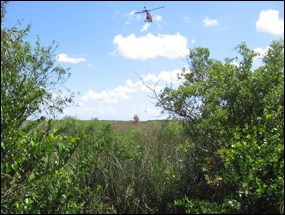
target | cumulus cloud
[
  {"x": 270, "y": 22},
  {"x": 261, "y": 52},
  {"x": 65, "y": 59},
  {"x": 124, "y": 92},
  {"x": 109, "y": 96},
  {"x": 145, "y": 27},
  {"x": 151, "y": 46},
  {"x": 210, "y": 22},
  {"x": 164, "y": 76},
  {"x": 157, "y": 18}
]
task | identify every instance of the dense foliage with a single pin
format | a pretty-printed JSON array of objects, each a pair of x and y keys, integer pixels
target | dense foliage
[
  {"x": 234, "y": 116},
  {"x": 225, "y": 154},
  {"x": 31, "y": 154}
]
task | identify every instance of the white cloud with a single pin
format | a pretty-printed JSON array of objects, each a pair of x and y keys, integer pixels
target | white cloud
[
  {"x": 210, "y": 22},
  {"x": 131, "y": 16},
  {"x": 193, "y": 41},
  {"x": 157, "y": 18},
  {"x": 113, "y": 96},
  {"x": 150, "y": 46},
  {"x": 270, "y": 22},
  {"x": 261, "y": 52},
  {"x": 83, "y": 106},
  {"x": 109, "y": 96},
  {"x": 65, "y": 59},
  {"x": 235, "y": 63},
  {"x": 145, "y": 27},
  {"x": 107, "y": 110},
  {"x": 138, "y": 85},
  {"x": 119, "y": 93},
  {"x": 106, "y": 104},
  {"x": 165, "y": 76}
]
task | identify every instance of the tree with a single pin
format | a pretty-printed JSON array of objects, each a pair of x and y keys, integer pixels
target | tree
[
  {"x": 136, "y": 118},
  {"x": 32, "y": 156},
  {"x": 30, "y": 82},
  {"x": 234, "y": 118}
]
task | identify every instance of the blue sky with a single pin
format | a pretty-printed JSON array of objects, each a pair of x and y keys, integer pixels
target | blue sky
[{"x": 107, "y": 46}]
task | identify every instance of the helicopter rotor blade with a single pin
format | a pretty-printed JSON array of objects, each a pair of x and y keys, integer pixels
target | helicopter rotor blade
[
  {"x": 143, "y": 11},
  {"x": 156, "y": 8}
]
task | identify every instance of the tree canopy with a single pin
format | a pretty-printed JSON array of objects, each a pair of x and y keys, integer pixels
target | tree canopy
[
  {"x": 30, "y": 87},
  {"x": 234, "y": 117}
]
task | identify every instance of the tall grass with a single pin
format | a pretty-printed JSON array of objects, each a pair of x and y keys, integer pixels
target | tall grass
[{"x": 133, "y": 167}]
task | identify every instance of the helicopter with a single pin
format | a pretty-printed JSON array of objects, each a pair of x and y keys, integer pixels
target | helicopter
[{"x": 148, "y": 15}]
